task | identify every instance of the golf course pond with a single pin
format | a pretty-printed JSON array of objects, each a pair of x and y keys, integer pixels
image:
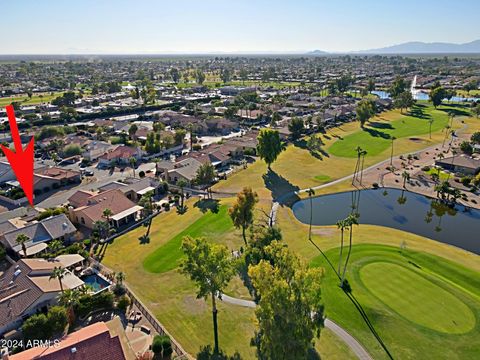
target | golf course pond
[{"x": 399, "y": 209}]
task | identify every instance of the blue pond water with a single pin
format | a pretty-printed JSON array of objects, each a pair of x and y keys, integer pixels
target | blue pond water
[
  {"x": 424, "y": 96},
  {"x": 398, "y": 209},
  {"x": 96, "y": 282}
]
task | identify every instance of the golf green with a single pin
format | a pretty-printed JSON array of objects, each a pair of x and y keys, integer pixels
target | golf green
[
  {"x": 415, "y": 298},
  {"x": 377, "y": 135}
]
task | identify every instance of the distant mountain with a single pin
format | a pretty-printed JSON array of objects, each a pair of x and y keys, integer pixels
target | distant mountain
[
  {"x": 417, "y": 47},
  {"x": 317, "y": 52}
]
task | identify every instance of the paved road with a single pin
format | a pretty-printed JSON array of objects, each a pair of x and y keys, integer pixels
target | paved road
[{"x": 352, "y": 343}]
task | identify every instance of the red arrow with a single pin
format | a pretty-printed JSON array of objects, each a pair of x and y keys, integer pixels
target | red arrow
[{"x": 21, "y": 160}]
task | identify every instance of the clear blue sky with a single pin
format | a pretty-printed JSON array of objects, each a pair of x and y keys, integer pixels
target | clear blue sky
[{"x": 197, "y": 26}]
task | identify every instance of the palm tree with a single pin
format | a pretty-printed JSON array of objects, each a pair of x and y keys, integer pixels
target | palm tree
[
  {"x": 54, "y": 246},
  {"x": 430, "y": 123},
  {"x": 310, "y": 193},
  {"x": 69, "y": 298},
  {"x": 119, "y": 277},
  {"x": 351, "y": 220},
  {"x": 406, "y": 177},
  {"x": 391, "y": 154},
  {"x": 106, "y": 214},
  {"x": 359, "y": 151},
  {"x": 447, "y": 128},
  {"x": 101, "y": 231},
  {"x": 454, "y": 153},
  {"x": 181, "y": 184},
  {"x": 132, "y": 162},
  {"x": 22, "y": 239},
  {"x": 58, "y": 273},
  {"x": 342, "y": 225},
  {"x": 147, "y": 204}
]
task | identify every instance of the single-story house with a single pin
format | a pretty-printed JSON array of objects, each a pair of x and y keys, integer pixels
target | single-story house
[
  {"x": 40, "y": 233},
  {"x": 26, "y": 288},
  {"x": 184, "y": 170},
  {"x": 49, "y": 178},
  {"x": 96, "y": 149},
  {"x": 133, "y": 188},
  {"x": 92, "y": 342},
  {"x": 121, "y": 155},
  {"x": 462, "y": 164},
  {"x": 87, "y": 208}
]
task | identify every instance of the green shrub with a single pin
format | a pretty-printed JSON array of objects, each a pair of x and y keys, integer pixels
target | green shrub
[
  {"x": 3, "y": 253},
  {"x": 123, "y": 303},
  {"x": 57, "y": 319},
  {"x": 72, "y": 150},
  {"x": 36, "y": 327},
  {"x": 89, "y": 303},
  {"x": 162, "y": 346}
]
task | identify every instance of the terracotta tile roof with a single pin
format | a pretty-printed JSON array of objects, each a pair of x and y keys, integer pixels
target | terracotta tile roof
[
  {"x": 17, "y": 292},
  {"x": 113, "y": 199},
  {"x": 57, "y": 173},
  {"x": 121, "y": 152},
  {"x": 80, "y": 197},
  {"x": 90, "y": 343}
]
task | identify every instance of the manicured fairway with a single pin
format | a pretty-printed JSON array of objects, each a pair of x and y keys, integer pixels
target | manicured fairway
[
  {"x": 376, "y": 137},
  {"x": 296, "y": 168},
  {"x": 166, "y": 257},
  {"x": 424, "y": 306},
  {"x": 172, "y": 297},
  {"x": 24, "y": 100}
]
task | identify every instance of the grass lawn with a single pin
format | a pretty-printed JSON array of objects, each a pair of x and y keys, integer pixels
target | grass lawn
[
  {"x": 443, "y": 263},
  {"x": 400, "y": 287},
  {"x": 442, "y": 175},
  {"x": 422, "y": 305},
  {"x": 24, "y": 100},
  {"x": 171, "y": 296},
  {"x": 211, "y": 225},
  {"x": 377, "y": 134},
  {"x": 296, "y": 168}
]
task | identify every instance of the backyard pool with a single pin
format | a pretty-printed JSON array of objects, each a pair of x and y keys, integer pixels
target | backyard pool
[{"x": 96, "y": 282}]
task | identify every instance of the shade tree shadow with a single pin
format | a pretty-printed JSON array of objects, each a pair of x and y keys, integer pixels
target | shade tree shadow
[
  {"x": 418, "y": 111},
  {"x": 455, "y": 111},
  {"x": 377, "y": 133},
  {"x": 282, "y": 190},
  {"x": 318, "y": 154},
  {"x": 205, "y": 205},
  {"x": 380, "y": 125}
]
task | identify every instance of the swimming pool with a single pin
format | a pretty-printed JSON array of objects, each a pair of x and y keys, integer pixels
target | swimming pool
[{"x": 96, "y": 282}]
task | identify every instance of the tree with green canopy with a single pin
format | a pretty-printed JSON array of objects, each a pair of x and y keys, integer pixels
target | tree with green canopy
[
  {"x": 269, "y": 146},
  {"x": 211, "y": 268},
  {"x": 365, "y": 110},
  {"x": 290, "y": 310},
  {"x": 296, "y": 128},
  {"x": 242, "y": 211}
]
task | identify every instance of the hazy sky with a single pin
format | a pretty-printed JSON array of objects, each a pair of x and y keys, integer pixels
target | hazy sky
[{"x": 197, "y": 26}]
